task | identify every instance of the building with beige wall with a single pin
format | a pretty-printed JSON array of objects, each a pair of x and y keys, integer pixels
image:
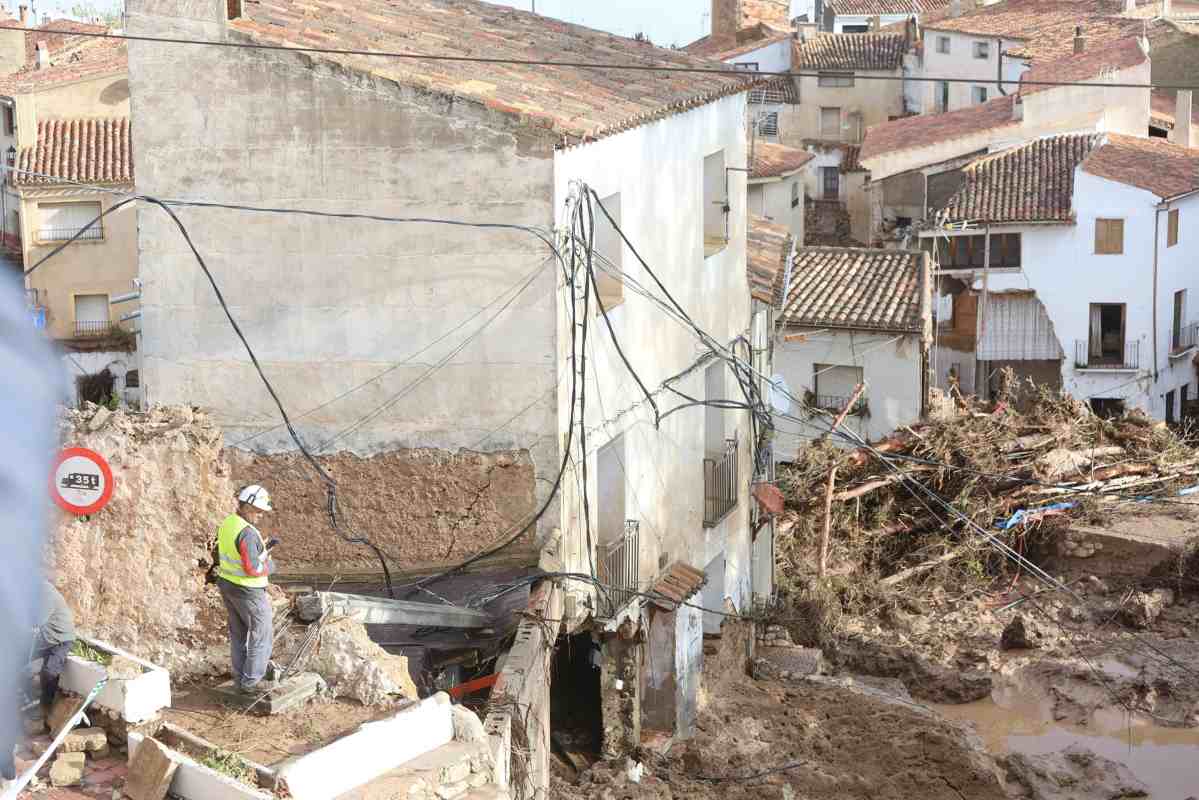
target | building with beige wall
[{"x": 65, "y": 135}]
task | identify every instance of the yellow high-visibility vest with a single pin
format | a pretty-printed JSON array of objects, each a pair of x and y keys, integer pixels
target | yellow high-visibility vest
[{"x": 231, "y": 568}]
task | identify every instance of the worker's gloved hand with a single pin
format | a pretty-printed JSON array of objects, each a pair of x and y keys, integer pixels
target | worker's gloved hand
[{"x": 272, "y": 542}]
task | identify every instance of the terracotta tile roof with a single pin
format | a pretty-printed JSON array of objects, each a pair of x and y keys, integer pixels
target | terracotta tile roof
[
  {"x": 1155, "y": 165},
  {"x": 849, "y": 287},
  {"x": 1045, "y": 26},
  {"x": 1161, "y": 109},
  {"x": 851, "y": 158},
  {"x": 767, "y": 248},
  {"x": 774, "y": 160},
  {"x": 72, "y": 58},
  {"x": 573, "y": 102},
  {"x": 678, "y": 583},
  {"x": 1030, "y": 183},
  {"x": 776, "y": 90},
  {"x": 872, "y": 7},
  {"x": 927, "y": 129},
  {"x": 748, "y": 39},
  {"x": 77, "y": 150},
  {"x": 1087, "y": 66},
  {"x": 851, "y": 51}
]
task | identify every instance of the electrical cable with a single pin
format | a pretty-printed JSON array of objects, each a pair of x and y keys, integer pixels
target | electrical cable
[{"x": 732, "y": 71}]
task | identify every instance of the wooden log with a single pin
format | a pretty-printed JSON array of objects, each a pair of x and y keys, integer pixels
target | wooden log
[
  {"x": 903, "y": 575},
  {"x": 828, "y": 519},
  {"x": 878, "y": 483}
]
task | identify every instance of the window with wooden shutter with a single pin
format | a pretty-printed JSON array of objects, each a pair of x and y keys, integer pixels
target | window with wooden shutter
[
  {"x": 1109, "y": 237},
  {"x": 1172, "y": 228}
]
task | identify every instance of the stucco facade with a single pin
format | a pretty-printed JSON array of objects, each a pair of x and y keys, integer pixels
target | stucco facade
[
  {"x": 871, "y": 100},
  {"x": 655, "y": 167},
  {"x": 976, "y": 59},
  {"x": 890, "y": 365},
  {"x": 780, "y": 200}
]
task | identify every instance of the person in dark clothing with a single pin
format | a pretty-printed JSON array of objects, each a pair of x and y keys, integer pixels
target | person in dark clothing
[{"x": 55, "y": 637}]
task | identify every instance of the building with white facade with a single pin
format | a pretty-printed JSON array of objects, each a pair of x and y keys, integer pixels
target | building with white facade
[
  {"x": 853, "y": 316},
  {"x": 862, "y": 16},
  {"x": 1090, "y": 280},
  {"x": 776, "y": 185},
  {"x": 395, "y": 340}
]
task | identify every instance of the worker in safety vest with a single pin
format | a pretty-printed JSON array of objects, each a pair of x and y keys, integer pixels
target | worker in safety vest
[{"x": 243, "y": 563}]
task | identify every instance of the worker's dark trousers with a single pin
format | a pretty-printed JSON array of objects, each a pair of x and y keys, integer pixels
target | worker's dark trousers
[
  {"x": 250, "y": 631},
  {"x": 54, "y": 660}
]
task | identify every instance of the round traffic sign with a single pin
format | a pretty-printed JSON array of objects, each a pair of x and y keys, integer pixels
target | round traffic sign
[{"x": 81, "y": 481}]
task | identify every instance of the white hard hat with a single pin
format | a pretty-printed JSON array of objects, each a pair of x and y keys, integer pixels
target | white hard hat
[{"x": 256, "y": 496}]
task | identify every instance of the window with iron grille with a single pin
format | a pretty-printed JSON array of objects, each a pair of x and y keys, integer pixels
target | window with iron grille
[
  {"x": 60, "y": 221},
  {"x": 768, "y": 124},
  {"x": 982, "y": 49}
]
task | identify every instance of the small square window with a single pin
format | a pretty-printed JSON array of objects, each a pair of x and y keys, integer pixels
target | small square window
[
  {"x": 979, "y": 94},
  {"x": 794, "y": 193},
  {"x": 835, "y": 80},
  {"x": 982, "y": 49},
  {"x": 1109, "y": 237},
  {"x": 943, "y": 44}
]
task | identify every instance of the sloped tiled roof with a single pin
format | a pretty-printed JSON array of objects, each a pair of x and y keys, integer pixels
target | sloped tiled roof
[
  {"x": 872, "y": 7},
  {"x": 72, "y": 58},
  {"x": 1045, "y": 26},
  {"x": 749, "y": 39},
  {"x": 767, "y": 247},
  {"x": 774, "y": 160},
  {"x": 911, "y": 133},
  {"x": 574, "y": 102},
  {"x": 79, "y": 151},
  {"x": 851, "y": 51},
  {"x": 775, "y": 90},
  {"x": 1167, "y": 170},
  {"x": 858, "y": 288},
  {"x": 1087, "y": 66},
  {"x": 1030, "y": 183},
  {"x": 1161, "y": 109},
  {"x": 679, "y": 582}
]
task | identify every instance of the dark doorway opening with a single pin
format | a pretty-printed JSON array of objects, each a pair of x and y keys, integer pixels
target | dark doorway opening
[
  {"x": 95, "y": 388},
  {"x": 576, "y": 715},
  {"x": 1107, "y": 407}
]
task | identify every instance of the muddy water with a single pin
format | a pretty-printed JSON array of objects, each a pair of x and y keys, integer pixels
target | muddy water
[{"x": 1018, "y": 718}]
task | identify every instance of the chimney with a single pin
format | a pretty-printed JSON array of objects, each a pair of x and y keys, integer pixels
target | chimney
[
  {"x": 726, "y": 19},
  {"x": 955, "y": 8},
  {"x": 43, "y": 55},
  {"x": 1018, "y": 108},
  {"x": 1130, "y": 6},
  {"x": 1080, "y": 43},
  {"x": 1182, "y": 118},
  {"x": 24, "y": 15}
]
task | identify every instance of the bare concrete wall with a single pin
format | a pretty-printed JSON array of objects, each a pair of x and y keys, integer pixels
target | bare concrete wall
[{"x": 331, "y": 304}]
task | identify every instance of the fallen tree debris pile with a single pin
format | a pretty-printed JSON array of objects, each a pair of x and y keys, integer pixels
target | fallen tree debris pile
[{"x": 1019, "y": 476}]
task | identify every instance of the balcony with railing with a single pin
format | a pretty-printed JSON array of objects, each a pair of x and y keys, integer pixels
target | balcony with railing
[
  {"x": 1116, "y": 358},
  {"x": 87, "y": 329},
  {"x": 720, "y": 485},
  {"x": 1185, "y": 338},
  {"x": 837, "y": 402},
  {"x": 94, "y": 233},
  {"x": 620, "y": 566}
]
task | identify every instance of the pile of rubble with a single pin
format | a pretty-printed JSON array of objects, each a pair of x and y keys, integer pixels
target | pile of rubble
[{"x": 1023, "y": 476}]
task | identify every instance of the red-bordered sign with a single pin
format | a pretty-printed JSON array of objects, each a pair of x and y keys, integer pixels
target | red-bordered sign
[{"x": 81, "y": 481}]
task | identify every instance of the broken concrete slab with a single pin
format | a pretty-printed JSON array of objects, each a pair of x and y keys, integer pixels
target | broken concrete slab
[
  {"x": 384, "y": 611},
  {"x": 136, "y": 698},
  {"x": 293, "y": 692},
  {"x": 370, "y": 752},
  {"x": 194, "y": 781},
  {"x": 151, "y": 771},
  {"x": 67, "y": 769}
]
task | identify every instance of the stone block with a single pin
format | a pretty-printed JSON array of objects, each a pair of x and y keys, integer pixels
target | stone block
[
  {"x": 467, "y": 725},
  {"x": 150, "y": 772},
  {"x": 449, "y": 791},
  {"x": 788, "y": 662},
  {"x": 85, "y": 739},
  {"x": 61, "y": 712},
  {"x": 67, "y": 769}
]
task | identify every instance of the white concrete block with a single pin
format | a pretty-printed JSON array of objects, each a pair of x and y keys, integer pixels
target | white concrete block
[
  {"x": 194, "y": 781},
  {"x": 134, "y": 699},
  {"x": 374, "y": 749}
]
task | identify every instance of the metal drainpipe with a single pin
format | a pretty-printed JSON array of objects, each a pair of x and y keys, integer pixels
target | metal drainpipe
[
  {"x": 1156, "y": 231},
  {"x": 999, "y": 65}
]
